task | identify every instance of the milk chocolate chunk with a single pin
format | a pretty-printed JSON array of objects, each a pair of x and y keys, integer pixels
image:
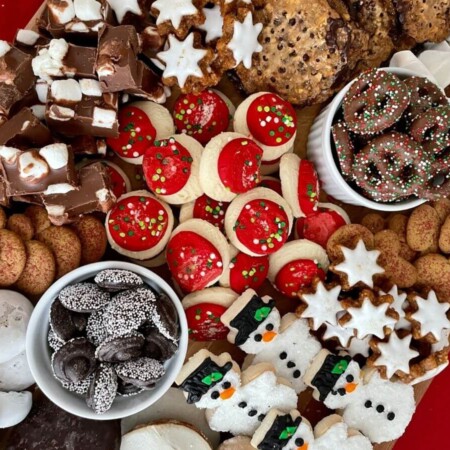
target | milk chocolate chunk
[
  {"x": 25, "y": 130},
  {"x": 81, "y": 108},
  {"x": 28, "y": 41},
  {"x": 4, "y": 200},
  {"x": 86, "y": 145},
  {"x": 94, "y": 194},
  {"x": 16, "y": 77},
  {"x": 48, "y": 170}
]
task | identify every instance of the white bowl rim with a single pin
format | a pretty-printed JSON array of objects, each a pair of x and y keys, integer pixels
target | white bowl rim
[
  {"x": 41, "y": 312},
  {"x": 328, "y": 152}
]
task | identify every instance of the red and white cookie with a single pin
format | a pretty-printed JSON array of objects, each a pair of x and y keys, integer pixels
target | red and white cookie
[
  {"x": 271, "y": 183},
  {"x": 270, "y": 167},
  {"x": 244, "y": 271},
  {"x": 120, "y": 183},
  {"x": 300, "y": 184},
  {"x": 270, "y": 121},
  {"x": 259, "y": 222},
  {"x": 157, "y": 261},
  {"x": 140, "y": 125},
  {"x": 139, "y": 225},
  {"x": 203, "y": 311},
  {"x": 197, "y": 253},
  {"x": 205, "y": 208},
  {"x": 320, "y": 226},
  {"x": 203, "y": 115},
  {"x": 230, "y": 166},
  {"x": 171, "y": 169},
  {"x": 296, "y": 265}
]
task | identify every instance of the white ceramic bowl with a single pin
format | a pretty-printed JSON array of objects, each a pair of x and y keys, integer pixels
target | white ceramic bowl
[
  {"x": 320, "y": 151},
  {"x": 39, "y": 353}
]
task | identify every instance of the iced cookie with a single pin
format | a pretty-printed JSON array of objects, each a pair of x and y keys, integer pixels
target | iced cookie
[
  {"x": 120, "y": 182},
  {"x": 271, "y": 183},
  {"x": 139, "y": 225},
  {"x": 259, "y": 222},
  {"x": 197, "y": 254},
  {"x": 270, "y": 121},
  {"x": 230, "y": 166},
  {"x": 140, "y": 125},
  {"x": 15, "y": 374},
  {"x": 205, "y": 208},
  {"x": 14, "y": 407},
  {"x": 171, "y": 169},
  {"x": 295, "y": 266},
  {"x": 272, "y": 166}
]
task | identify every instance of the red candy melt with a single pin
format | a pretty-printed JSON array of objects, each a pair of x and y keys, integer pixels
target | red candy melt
[
  {"x": 210, "y": 210},
  {"x": 201, "y": 116},
  {"x": 238, "y": 165},
  {"x": 248, "y": 272},
  {"x": 271, "y": 120},
  {"x": 193, "y": 261},
  {"x": 204, "y": 322},
  {"x": 138, "y": 223},
  {"x": 167, "y": 167},
  {"x": 136, "y": 133},
  {"x": 296, "y": 275},
  {"x": 308, "y": 187}
]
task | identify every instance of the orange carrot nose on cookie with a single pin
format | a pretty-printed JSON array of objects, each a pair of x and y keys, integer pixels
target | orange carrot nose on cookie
[
  {"x": 303, "y": 447},
  {"x": 269, "y": 336},
  {"x": 350, "y": 387},
  {"x": 227, "y": 393}
]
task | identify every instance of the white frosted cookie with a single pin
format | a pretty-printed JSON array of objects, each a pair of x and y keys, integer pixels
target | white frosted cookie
[
  {"x": 14, "y": 407},
  {"x": 15, "y": 374},
  {"x": 230, "y": 166},
  {"x": 259, "y": 222},
  {"x": 270, "y": 121},
  {"x": 205, "y": 208},
  {"x": 139, "y": 225},
  {"x": 215, "y": 295}
]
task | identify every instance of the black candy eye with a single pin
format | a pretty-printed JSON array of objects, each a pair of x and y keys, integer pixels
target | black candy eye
[
  {"x": 391, "y": 416},
  {"x": 368, "y": 404},
  {"x": 296, "y": 374},
  {"x": 283, "y": 355},
  {"x": 215, "y": 395},
  {"x": 261, "y": 417},
  {"x": 258, "y": 338},
  {"x": 252, "y": 412},
  {"x": 226, "y": 385},
  {"x": 350, "y": 378},
  {"x": 291, "y": 364},
  {"x": 341, "y": 391},
  {"x": 269, "y": 327},
  {"x": 242, "y": 405},
  {"x": 380, "y": 408},
  {"x": 299, "y": 442}
]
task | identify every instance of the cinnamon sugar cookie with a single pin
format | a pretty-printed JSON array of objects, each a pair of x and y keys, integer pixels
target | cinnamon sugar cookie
[{"x": 12, "y": 257}]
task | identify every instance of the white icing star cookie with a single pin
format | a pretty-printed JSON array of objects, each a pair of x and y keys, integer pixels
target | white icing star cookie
[
  {"x": 359, "y": 265},
  {"x": 322, "y": 306},
  {"x": 399, "y": 304},
  {"x": 173, "y": 11},
  {"x": 121, "y": 7},
  {"x": 343, "y": 335},
  {"x": 245, "y": 41},
  {"x": 358, "y": 347},
  {"x": 213, "y": 23},
  {"x": 182, "y": 59}
]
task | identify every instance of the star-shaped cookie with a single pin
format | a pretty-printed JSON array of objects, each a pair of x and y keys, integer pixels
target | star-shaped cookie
[{"x": 173, "y": 11}]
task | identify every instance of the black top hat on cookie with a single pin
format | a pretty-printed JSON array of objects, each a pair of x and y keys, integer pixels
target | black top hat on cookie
[
  {"x": 250, "y": 317},
  {"x": 281, "y": 431}
]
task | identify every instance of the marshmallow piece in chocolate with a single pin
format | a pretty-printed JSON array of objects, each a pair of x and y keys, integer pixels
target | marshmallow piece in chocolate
[
  {"x": 80, "y": 108},
  {"x": 94, "y": 194},
  {"x": 28, "y": 41}
]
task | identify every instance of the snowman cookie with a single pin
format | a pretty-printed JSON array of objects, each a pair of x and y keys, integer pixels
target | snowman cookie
[
  {"x": 334, "y": 378},
  {"x": 244, "y": 271},
  {"x": 270, "y": 121},
  {"x": 258, "y": 222},
  {"x": 283, "y": 431},
  {"x": 205, "y": 208},
  {"x": 140, "y": 125},
  {"x": 171, "y": 169},
  {"x": 197, "y": 253},
  {"x": 300, "y": 184},
  {"x": 139, "y": 225},
  {"x": 203, "y": 311},
  {"x": 296, "y": 265},
  {"x": 230, "y": 166}
]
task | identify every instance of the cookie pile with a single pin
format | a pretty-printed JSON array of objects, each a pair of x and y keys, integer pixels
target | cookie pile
[{"x": 111, "y": 337}]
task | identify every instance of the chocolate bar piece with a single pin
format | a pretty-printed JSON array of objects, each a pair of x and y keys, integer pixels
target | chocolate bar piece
[
  {"x": 16, "y": 77},
  {"x": 48, "y": 170},
  {"x": 119, "y": 69},
  {"x": 28, "y": 41},
  {"x": 60, "y": 59},
  {"x": 80, "y": 108},
  {"x": 94, "y": 194},
  {"x": 86, "y": 145},
  {"x": 4, "y": 200},
  {"x": 151, "y": 41},
  {"x": 25, "y": 130}
]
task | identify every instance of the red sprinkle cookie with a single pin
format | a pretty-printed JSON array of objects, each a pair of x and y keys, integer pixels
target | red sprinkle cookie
[
  {"x": 271, "y": 183},
  {"x": 139, "y": 225},
  {"x": 120, "y": 183}
]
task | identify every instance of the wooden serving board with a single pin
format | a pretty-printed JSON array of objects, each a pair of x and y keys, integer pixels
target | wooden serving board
[{"x": 313, "y": 410}]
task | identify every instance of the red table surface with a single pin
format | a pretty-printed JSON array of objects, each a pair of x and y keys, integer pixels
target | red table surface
[{"x": 429, "y": 427}]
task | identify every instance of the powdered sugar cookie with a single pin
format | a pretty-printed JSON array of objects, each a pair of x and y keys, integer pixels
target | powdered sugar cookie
[
  {"x": 295, "y": 266},
  {"x": 334, "y": 378},
  {"x": 205, "y": 208},
  {"x": 283, "y": 431},
  {"x": 259, "y": 222},
  {"x": 270, "y": 121},
  {"x": 140, "y": 125},
  {"x": 230, "y": 166},
  {"x": 171, "y": 169},
  {"x": 197, "y": 254},
  {"x": 244, "y": 271},
  {"x": 203, "y": 311},
  {"x": 139, "y": 225}
]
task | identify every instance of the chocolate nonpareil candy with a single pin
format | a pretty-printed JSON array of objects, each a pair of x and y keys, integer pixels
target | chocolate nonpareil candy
[
  {"x": 81, "y": 108},
  {"x": 93, "y": 194},
  {"x": 119, "y": 69},
  {"x": 48, "y": 170}
]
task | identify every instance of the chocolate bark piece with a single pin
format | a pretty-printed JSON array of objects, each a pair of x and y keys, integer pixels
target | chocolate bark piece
[
  {"x": 77, "y": 108},
  {"x": 48, "y": 170},
  {"x": 28, "y": 41},
  {"x": 30, "y": 199},
  {"x": 16, "y": 77},
  {"x": 119, "y": 69},
  {"x": 25, "y": 130},
  {"x": 151, "y": 41},
  {"x": 4, "y": 200},
  {"x": 86, "y": 145},
  {"x": 94, "y": 194}
]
